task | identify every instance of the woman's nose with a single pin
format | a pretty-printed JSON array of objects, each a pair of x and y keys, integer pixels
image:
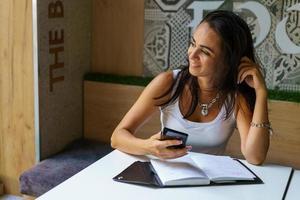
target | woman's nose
[{"x": 193, "y": 54}]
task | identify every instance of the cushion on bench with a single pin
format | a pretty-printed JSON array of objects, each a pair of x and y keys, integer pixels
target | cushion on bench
[{"x": 56, "y": 169}]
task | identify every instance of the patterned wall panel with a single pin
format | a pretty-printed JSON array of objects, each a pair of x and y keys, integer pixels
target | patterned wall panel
[{"x": 275, "y": 27}]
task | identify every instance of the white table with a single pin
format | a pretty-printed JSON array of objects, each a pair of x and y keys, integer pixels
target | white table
[
  {"x": 293, "y": 192},
  {"x": 95, "y": 182}
]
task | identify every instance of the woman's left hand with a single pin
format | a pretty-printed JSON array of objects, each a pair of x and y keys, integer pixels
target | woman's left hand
[{"x": 251, "y": 74}]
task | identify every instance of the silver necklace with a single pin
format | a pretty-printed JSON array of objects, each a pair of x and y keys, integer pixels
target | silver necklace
[{"x": 205, "y": 106}]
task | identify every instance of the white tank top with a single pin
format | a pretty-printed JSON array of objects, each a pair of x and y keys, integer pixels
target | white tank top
[{"x": 205, "y": 137}]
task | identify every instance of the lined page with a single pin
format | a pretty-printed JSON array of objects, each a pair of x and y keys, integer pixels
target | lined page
[
  {"x": 181, "y": 170},
  {"x": 219, "y": 168}
]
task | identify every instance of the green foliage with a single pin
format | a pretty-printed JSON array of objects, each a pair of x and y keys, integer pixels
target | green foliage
[
  {"x": 284, "y": 95},
  {"x": 143, "y": 81},
  {"x": 126, "y": 80}
]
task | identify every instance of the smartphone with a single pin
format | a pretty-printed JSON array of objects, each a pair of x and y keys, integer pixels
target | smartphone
[{"x": 170, "y": 134}]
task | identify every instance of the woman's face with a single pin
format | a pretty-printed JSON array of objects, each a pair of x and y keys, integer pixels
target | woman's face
[{"x": 204, "y": 52}]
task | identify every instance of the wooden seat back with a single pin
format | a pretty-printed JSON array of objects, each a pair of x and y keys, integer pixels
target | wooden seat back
[{"x": 105, "y": 104}]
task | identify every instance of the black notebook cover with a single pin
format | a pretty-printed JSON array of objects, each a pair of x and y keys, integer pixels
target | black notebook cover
[
  {"x": 142, "y": 173},
  {"x": 139, "y": 173}
]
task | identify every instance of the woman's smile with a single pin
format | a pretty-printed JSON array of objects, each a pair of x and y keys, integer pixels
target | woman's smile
[{"x": 194, "y": 64}]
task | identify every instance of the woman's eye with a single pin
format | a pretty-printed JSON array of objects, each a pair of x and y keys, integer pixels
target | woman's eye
[{"x": 205, "y": 52}]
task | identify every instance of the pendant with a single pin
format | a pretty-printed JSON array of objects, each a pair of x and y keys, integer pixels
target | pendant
[{"x": 204, "y": 109}]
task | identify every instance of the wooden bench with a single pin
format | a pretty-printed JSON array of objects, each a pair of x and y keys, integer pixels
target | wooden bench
[{"x": 106, "y": 103}]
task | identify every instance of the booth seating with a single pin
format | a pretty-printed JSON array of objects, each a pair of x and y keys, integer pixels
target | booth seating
[
  {"x": 61, "y": 166},
  {"x": 108, "y": 102},
  {"x": 101, "y": 97}
]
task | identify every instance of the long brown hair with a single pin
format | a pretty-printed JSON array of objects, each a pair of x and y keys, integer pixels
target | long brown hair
[{"x": 236, "y": 43}]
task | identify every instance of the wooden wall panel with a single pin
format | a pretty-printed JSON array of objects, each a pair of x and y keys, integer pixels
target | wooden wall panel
[
  {"x": 117, "y": 36},
  {"x": 17, "y": 151},
  {"x": 285, "y": 142},
  {"x": 105, "y": 104}
]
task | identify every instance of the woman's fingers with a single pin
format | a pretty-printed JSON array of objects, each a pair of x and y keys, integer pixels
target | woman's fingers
[
  {"x": 244, "y": 71},
  {"x": 246, "y": 59},
  {"x": 189, "y": 147},
  {"x": 167, "y": 143},
  {"x": 160, "y": 148},
  {"x": 247, "y": 68},
  {"x": 172, "y": 153},
  {"x": 248, "y": 77},
  {"x": 246, "y": 64},
  {"x": 252, "y": 76},
  {"x": 156, "y": 136}
]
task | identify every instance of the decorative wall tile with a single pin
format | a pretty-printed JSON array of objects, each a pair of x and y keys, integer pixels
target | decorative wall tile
[{"x": 275, "y": 27}]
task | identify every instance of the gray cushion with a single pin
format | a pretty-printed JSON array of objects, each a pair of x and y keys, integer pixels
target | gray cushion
[{"x": 56, "y": 169}]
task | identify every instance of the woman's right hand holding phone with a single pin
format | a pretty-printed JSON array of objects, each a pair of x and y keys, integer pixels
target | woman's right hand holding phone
[{"x": 159, "y": 148}]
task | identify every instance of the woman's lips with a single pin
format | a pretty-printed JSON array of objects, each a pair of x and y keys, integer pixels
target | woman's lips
[{"x": 193, "y": 64}]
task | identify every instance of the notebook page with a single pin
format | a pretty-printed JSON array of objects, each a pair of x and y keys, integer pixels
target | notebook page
[
  {"x": 221, "y": 167},
  {"x": 177, "y": 169}
]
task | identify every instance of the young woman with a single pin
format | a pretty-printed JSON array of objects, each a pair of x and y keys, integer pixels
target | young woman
[{"x": 221, "y": 89}]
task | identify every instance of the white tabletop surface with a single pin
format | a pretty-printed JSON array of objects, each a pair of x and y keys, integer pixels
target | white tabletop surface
[
  {"x": 95, "y": 182},
  {"x": 293, "y": 192}
]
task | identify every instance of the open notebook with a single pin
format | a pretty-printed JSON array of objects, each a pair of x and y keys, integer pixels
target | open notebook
[{"x": 192, "y": 169}]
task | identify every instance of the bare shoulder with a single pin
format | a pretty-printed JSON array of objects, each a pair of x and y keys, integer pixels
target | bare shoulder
[
  {"x": 161, "y": 83},
  {"x": 163, "y": 79}
]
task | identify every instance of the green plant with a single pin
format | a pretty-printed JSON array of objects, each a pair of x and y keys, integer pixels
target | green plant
[{"x": 143, "y": 81}]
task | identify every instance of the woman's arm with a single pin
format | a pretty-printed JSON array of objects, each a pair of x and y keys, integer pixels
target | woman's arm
[
  {"x": 123, "y": 136},
  {"x": 254, "y": 140}
]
